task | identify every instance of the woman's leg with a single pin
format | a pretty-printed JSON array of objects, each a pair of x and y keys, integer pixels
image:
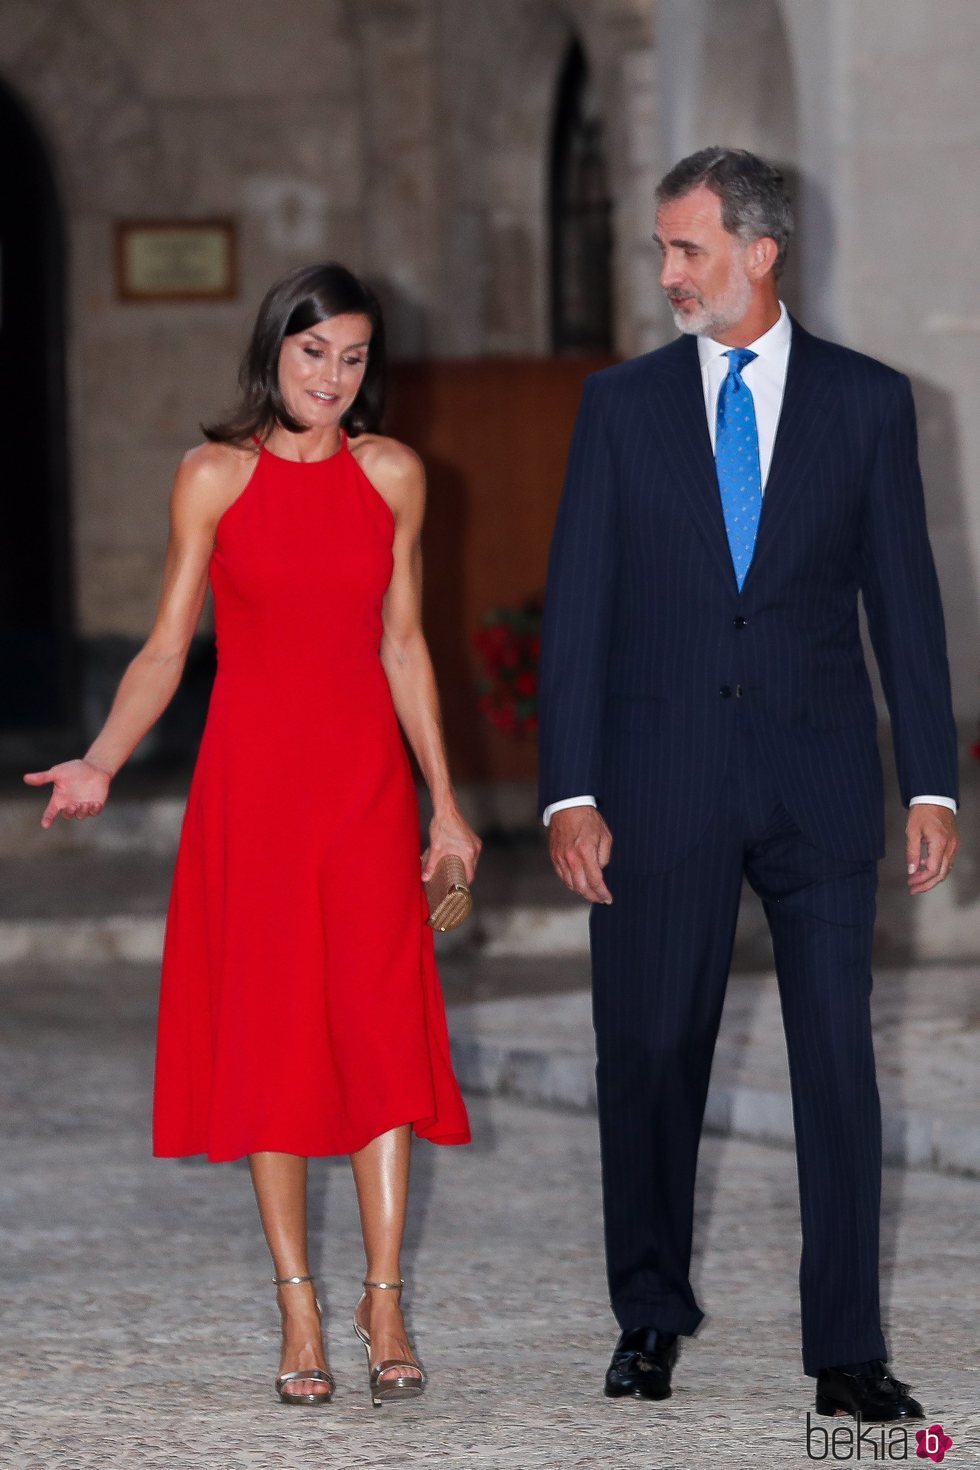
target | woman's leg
[
  {"x": 280, "y": 1189},
  {"x": 381, "y": 1175}
]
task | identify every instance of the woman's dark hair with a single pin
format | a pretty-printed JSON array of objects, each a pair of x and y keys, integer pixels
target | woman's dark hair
[{"x": 308, "y": 295}]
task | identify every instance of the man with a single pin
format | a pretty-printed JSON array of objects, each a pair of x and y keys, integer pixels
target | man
[{"x": 706, "y": 714}]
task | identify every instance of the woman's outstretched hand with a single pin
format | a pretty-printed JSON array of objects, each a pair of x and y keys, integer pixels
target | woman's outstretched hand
[
  {"x": 80, "y": 790},
  {"x": 450, "y": 833}
]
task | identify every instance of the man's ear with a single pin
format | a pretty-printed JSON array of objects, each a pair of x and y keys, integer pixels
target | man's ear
[{"x": 761, "y": 257}]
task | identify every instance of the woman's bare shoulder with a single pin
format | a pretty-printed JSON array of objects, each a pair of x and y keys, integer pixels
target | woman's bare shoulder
[
  {"x": 209, "y": 463},
  {"x": 388, "y": 459},
  {"x": 210, "y": 477}
]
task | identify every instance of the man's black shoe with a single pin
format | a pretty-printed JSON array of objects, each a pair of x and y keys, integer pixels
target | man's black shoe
[
  {"x": 641, "y": 1365},
  {"x": 869, "y": 1390}
]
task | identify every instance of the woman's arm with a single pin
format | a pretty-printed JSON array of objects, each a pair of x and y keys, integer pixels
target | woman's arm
[
  {"x": 209, "y": 479},
  {"x": 398, "y": 476}
]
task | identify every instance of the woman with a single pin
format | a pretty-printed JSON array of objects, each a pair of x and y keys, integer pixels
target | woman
[{"x": 300, "y": 1008}]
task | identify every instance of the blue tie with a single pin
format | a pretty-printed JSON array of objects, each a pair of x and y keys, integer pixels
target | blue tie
[{"x": 737, "y": 462}]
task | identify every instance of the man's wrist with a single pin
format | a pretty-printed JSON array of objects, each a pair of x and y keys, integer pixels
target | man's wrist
[
  {"x": 568, "y": 801},
  {"x": 946, "y": 801}
]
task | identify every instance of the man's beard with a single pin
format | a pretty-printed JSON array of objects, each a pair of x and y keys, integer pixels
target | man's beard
[{"x": 723, "y": 313}]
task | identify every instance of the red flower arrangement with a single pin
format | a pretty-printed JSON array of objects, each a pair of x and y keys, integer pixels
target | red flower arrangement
[{"x": 509, "y": 646}]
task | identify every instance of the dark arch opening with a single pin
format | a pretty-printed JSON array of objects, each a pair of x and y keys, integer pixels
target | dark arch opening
[
  {"x": 37, "y": 683},
  {"x": 581, "y": 217}
]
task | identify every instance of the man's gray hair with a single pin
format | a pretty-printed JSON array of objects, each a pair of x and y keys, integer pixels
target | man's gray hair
[{"x": 754, "y": 202}]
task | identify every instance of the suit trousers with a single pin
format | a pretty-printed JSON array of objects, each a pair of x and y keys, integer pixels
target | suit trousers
[{"x": 661, "y": 954}]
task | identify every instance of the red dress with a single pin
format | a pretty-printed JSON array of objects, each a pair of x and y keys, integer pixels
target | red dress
[{"x": 300, "y": 1006}]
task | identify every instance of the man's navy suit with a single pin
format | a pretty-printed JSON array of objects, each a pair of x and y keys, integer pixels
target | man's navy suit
[{"x": 728, "y": 733}]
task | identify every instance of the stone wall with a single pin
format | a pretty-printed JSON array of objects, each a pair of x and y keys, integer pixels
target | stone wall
[
  {"x": 182, "y": 110},
  {"x": 871, "y": 105},
  {"x": 406, "y": 137},
  {"x": 410, "y": 138},
  {"x": 907, "y": 278}
]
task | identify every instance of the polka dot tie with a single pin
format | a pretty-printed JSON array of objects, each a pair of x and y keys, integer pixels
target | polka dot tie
[{"x": 737, "y": 462}]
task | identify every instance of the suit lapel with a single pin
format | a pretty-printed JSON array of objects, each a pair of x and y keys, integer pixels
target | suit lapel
[
  {"x": 686, "y": 439},
  {"x": 802, "y": 425},
  {"x": 807, "y": 399}
]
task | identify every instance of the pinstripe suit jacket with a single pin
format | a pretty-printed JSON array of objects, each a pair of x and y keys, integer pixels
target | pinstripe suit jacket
[{"x": 650, "y": 654}]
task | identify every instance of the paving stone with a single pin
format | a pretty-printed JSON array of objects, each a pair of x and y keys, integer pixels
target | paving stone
[
  {"x": 138, "y": 1289},
  {"x": 145, "y": 1277},
  {"x": 539, "y": 1047}
]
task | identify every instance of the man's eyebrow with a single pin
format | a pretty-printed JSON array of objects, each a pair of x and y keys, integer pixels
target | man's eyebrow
[{"x": 679, "y": 244}]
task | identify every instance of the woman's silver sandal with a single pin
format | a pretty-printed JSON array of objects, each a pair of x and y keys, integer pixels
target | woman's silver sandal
[
  {"x": 389, "y": 1390},
  {"x": 304, "y": 1375}
]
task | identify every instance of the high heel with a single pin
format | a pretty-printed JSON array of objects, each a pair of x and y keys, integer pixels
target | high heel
[
  {"x": 408, "y": 1385},
  {"x": 304, "y": 1375}
]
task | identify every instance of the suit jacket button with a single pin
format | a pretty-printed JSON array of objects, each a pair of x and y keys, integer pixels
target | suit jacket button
[
  {"x": 740, "y": 622},
  {"x": 725, "y": 691}
]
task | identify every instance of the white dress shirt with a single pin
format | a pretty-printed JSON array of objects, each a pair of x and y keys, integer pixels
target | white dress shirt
[{"x": 766, "y": 376}]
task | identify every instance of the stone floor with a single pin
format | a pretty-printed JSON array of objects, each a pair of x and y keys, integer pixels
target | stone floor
[
  {"x": 534, "y": 1041},
  {"x": 517, "y": 974},
  {"x": 140, "y": 1329}
]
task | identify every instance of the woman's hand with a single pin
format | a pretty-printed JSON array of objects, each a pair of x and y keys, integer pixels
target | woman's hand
[
  {"x": 80, "y": 789},
  {"x": 449, "y": 832}
]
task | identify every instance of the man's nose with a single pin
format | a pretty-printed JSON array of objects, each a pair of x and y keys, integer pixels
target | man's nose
[{"x": 670, "y": 272}]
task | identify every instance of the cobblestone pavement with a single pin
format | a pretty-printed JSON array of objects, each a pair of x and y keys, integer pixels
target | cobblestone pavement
[
  {"x": 535, "y": 1043},
  {"x": 140, "y": 1330}
]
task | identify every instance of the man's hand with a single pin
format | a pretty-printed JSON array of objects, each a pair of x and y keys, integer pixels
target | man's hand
[
  {"x": 580, "y": 844},
  {"x": 931, "y": 840}
]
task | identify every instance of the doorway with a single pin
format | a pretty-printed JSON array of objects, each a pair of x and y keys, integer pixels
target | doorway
[
  {"x": 37, "y": 680},
  {"x": 581, "y": 217}
]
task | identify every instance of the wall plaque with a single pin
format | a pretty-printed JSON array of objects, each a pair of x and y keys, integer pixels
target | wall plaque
[{"x": 175, "y": 260}]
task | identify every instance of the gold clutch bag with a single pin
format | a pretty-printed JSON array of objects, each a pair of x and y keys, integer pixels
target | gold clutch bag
[{"x": 448, "y": 894}]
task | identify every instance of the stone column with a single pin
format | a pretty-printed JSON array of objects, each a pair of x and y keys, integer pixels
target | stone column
[{"x": 398, "y": 67}]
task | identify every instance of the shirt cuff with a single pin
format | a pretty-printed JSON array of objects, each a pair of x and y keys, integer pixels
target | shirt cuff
[
  {"x": 946, "y": 801},
  {"x": 559, "y": 806}
]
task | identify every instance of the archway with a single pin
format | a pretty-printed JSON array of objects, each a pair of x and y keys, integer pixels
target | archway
[
  {"x": 36, "y": 668},
  {"x": 581, "y": 216}
]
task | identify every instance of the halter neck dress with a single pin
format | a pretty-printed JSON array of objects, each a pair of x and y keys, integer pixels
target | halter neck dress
[{"x": 300, "y": 1005}]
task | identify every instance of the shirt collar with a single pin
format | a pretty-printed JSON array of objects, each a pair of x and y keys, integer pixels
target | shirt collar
[{"x": 773, "y": 344}]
